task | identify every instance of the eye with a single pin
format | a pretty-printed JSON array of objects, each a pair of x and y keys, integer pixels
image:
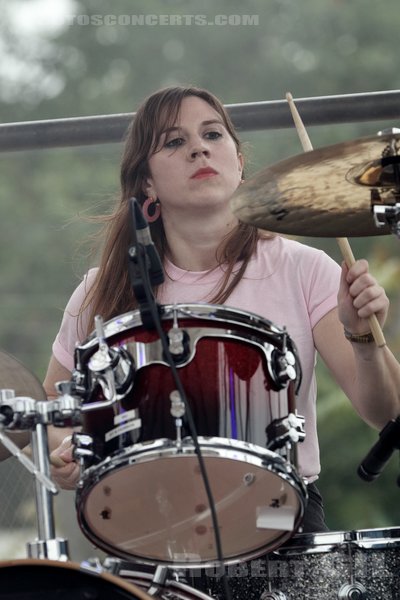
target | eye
[
  {"x": 174, "y": 143},
  {"x": 213, "y": 135}
]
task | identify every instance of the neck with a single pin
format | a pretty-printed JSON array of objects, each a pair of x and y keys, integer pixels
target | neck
[{"x": 193, "y": 242}]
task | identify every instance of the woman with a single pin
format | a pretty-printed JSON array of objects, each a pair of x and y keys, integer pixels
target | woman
[{"x": 183, "y": 162}]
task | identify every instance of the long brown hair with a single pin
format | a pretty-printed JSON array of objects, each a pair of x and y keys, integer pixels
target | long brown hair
[{"x": 111, "y": 293}]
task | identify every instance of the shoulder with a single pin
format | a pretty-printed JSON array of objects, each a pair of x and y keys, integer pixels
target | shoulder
[
  {"x": 289, "y": 247},
  {"x": 81, "y": 291},
  {"x": 278, "y": 253}
]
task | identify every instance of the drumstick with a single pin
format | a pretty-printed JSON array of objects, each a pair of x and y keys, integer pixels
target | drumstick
[{"x": 343, "y": 242}]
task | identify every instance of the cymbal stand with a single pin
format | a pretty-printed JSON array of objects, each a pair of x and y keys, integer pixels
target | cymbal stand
[
  {"x": 22, "y": 413},
  {"x": 387, "y": 214}
]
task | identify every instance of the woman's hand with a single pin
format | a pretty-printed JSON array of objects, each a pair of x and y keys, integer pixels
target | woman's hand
[
  {"x": 359, "y": 297},
  {"x": 64, "y": 470}
]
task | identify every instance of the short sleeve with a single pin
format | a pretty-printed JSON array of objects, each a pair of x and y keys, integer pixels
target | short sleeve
[{"x": 73, "y": 327}]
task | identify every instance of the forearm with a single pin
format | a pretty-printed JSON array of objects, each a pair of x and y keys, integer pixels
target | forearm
[{"x": 376, "y": 384}]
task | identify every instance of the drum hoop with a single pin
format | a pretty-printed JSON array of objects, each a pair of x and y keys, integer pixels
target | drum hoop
[
  {"x": 212, "y": 447},
  {"x": 254, "y": 330},
  {"x": 202, "y": 311},
  {"x": 368, "y": 539}
]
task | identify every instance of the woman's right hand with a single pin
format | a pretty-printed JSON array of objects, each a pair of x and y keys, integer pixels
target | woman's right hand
[{"x": 64, "y": 470}]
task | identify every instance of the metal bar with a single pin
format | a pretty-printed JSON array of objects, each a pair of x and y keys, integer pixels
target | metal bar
[{"x": 253, "y": 116}]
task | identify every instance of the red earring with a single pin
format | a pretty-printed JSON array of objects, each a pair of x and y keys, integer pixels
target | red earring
[{"x": 155, "y": 209}]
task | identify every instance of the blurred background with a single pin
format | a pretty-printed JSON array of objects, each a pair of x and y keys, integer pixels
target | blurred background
[{"x": 58, "y": 60}]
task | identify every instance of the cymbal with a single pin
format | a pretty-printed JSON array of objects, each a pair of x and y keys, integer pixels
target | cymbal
[
  {"x": 14, "y": 376},
  {"x": 324, "y": 192}
]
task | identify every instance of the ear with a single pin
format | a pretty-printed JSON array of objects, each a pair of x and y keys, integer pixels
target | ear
[
  {"x": 240, "y": 163},
  {"x": 148, "y": 188}
]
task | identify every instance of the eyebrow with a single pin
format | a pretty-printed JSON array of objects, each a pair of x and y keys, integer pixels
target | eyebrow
[{"x": 203, "y": 123}]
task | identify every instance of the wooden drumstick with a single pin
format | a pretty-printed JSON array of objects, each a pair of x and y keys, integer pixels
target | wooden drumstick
[{"x": 343, "y": 242}]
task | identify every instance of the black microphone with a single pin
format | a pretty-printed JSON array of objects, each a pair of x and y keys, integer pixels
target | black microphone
[
  {"x": 376, "y": 459},
  {"x": 156, "y": 271}
]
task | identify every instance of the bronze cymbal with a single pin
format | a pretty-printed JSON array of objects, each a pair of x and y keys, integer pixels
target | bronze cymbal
[
  {"x": 324, "y": 192},
  {"x": 14, "y": 376}
]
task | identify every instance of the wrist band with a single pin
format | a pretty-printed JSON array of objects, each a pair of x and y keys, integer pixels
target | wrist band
[{"x": 364, "y": 338}]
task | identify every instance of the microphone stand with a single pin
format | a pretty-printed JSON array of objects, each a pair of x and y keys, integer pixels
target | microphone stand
[
  {"x": 376, "y": 459},
  {"x": 145, "y": 269}
]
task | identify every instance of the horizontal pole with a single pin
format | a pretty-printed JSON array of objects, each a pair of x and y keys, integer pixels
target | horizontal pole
[{"x": 253, "y": 116}]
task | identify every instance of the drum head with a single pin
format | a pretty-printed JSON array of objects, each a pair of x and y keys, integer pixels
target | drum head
[
  {"x": 152, "y": 505},
  {"x": 50, "y": 580}
]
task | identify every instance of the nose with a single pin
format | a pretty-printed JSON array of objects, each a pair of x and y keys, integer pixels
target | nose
[{"x": 199, "y": 148}]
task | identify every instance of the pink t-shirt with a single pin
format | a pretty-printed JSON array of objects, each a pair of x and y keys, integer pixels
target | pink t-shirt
[{"x": 286, "y": 282}]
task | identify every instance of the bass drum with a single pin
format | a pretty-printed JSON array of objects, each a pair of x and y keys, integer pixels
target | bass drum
[
  {"x": 352, "y": 565},
  {"x": 143, "y": 495},
  {"x": 52, "y": 580}
]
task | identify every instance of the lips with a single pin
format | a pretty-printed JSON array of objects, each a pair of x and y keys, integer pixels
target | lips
[{"x": 204, "y": 173}]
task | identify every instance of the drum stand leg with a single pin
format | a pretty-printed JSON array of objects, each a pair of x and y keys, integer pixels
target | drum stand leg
[{"x": 47, "y": 545}]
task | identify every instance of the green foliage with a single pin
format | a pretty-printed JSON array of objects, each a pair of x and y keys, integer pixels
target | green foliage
[{"x": 310, "y": 48}]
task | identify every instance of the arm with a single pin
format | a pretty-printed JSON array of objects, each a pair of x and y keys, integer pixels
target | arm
[{"x": 369, "y": 376}]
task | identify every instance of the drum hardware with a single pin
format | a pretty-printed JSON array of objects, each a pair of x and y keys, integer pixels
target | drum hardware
[
  {"x": 179, "y": 342},
  {"x": 112, "y": 369},
  {"x": 387, "y": 214},
  {"x": 273, "y": 596},
  {"x": 352, "y": 591},
  {"x": 83, "y": 451},
  {"x": 23, "y": 413},
  {"x": 376, "y": 459},
  {"x": 177, "y": 411},
  {"x": 159, "y": 582},
  {"x": 175, "y": 338},
  {"x": 283, "y": 362},
  {"x": 284, "y": 431}
]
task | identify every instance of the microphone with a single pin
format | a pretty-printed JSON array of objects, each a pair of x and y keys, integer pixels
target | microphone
[
  {"x": 156, "y": 271},
  {"x": 376, "y": 459}
]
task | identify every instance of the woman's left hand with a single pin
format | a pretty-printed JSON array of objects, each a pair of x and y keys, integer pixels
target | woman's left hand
[{"x": 359, "y": 297}]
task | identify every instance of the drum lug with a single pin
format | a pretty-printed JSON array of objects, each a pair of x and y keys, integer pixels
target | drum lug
[
  {"x": 288, "y": 429},
  {"x": 352, "y": 591},
  {"x": 283, "y": 367},
  {"x": 83, "y": 448},
  {"x": 178, "y": 340}
]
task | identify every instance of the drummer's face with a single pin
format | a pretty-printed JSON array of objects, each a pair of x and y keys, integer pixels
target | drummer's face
[{"x": 196, "y": 164}]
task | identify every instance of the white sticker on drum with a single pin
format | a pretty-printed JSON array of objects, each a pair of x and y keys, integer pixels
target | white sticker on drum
[
  {"x": 273, "y": 517},
  {"x": 125, "y": 416},
  {"x": 113, "y": 433}
]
